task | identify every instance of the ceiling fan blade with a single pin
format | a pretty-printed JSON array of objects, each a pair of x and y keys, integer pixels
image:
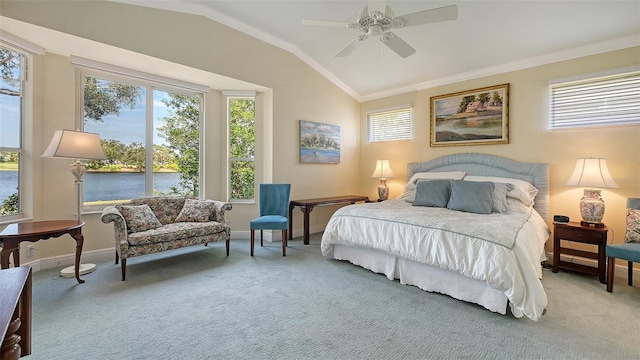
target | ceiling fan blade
[
  {"x": 397, "y": 44},
  {"x": 427, "y": 16},
  {"x": 377, "y": 5},
  {"x": 324, "y": 23},
  {"x": 351, "y": 46}
]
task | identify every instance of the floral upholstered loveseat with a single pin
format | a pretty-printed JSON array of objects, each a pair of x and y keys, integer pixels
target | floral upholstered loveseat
[{"x": 153, "y": 224}]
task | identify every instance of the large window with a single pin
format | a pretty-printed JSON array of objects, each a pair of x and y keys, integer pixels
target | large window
[
  {"x": 595, "y": 101},
  {"x": 242, "y": 147},
  {"x": 12, "y": 65},
  {"x": 150, "y": 135},
  {"x": 389, "y": 124}
]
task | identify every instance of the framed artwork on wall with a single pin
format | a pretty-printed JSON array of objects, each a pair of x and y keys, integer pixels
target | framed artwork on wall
[
  {"x": 319, "y": 143},
  {"x": 472, "y": 117}
]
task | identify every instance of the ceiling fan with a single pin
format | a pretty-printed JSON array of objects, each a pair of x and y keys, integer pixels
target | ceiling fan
[{"x": 377, "y": 19}]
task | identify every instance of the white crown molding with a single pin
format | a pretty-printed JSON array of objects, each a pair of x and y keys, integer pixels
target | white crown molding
[
  {"x": 567, "y": 54},
  {"x": 21, "y": 44}
]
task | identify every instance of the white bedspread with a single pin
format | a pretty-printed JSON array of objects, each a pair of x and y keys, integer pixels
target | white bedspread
[{"x": 503, "y": 250}]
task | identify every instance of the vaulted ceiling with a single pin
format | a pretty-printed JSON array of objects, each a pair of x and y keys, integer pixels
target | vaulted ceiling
[{"x": 488, "y": 37}]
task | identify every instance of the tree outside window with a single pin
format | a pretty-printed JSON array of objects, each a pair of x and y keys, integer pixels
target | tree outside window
[{"x": 242, "y": 142}]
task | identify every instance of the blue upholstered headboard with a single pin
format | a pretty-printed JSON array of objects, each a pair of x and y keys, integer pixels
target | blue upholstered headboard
[{"x": 492, "y": 165}]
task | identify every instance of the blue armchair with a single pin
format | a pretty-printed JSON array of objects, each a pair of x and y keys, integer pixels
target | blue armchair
[
  {"x": 274, "y": 211},
  {"x": 630, "y": 250}
]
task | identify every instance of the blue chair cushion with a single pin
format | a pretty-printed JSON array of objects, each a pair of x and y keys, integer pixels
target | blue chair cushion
[
  {"x": 627, "y": 251},
  {"x": 268, "y": 222}
]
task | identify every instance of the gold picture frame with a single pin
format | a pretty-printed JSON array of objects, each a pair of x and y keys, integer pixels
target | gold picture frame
[{"x": 472, "y": 117}]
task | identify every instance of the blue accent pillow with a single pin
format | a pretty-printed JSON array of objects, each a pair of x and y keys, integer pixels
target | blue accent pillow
[
  {"x": 433, "y": 193},
  {"x": 471, "y": 196}
]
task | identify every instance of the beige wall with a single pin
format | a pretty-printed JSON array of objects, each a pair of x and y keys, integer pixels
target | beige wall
[
  {"x": 529, "y": 140},
  {"x": 294, "y": 92}
]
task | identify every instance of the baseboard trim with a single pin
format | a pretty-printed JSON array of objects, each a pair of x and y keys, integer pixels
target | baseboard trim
[
  {"x": 620, "y": 267},
  {"x": 95, "y": 256}
]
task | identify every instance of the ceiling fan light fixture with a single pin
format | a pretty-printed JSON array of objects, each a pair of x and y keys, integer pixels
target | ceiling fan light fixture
[{"x": 375, "y": 30}]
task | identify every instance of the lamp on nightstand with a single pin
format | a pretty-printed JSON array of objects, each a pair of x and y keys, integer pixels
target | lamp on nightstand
[
  {"x": 70, "y": 144},
  {"x": 592, "y": 173},
  {"x": 383, "y": 171}
]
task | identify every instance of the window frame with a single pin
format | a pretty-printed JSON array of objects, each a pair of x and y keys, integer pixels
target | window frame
[
  {"x": 134, "y": 79},
  {"x": 26, "y": 120},
  {"x": 230, "y": 95},
  {"x": 377, "y": 118},
  {"x": 583, "y": 85}
]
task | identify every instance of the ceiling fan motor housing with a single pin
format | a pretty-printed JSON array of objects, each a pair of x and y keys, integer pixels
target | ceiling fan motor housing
[{"x": 366, "y": 21}]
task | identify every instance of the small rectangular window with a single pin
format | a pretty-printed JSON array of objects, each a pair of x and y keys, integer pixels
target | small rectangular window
[
  {"x": 598, "y": 101},
  {"x": 389, "y": 124}
]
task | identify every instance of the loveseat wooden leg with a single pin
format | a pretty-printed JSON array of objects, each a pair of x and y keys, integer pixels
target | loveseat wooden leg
[
  {"x": 610, "y": 271},
  {"x": 117, "y": 257},
  {"x": 630, "y": 273},
  {"x": 124, "y": 269},
  {"x": 227, "y": 244},
  {"x": 261, "y": 241}
]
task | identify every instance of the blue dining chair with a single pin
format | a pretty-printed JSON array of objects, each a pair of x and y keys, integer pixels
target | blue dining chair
[
  {"x": 630, "y": 250},
  {"x": 274, "y": 211}
]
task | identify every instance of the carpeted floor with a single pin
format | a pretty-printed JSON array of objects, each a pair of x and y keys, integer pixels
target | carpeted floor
[{"x": 195, "y": 303}]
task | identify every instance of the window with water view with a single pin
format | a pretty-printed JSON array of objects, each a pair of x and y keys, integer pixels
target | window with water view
[
  {"x": 11, "y": 93},
  {"x": 151, "y": 138}
]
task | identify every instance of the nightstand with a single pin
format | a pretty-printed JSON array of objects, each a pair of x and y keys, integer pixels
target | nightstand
[{"x": 573, "y": 231}]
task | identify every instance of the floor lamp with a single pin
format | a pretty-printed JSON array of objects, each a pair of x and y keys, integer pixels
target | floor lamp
[{"x": 70, "y": 144}]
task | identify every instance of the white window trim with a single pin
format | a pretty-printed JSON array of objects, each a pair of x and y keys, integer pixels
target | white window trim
[
  {"x": 238, "y": 94},
  {"x": 25, "y": 170}
]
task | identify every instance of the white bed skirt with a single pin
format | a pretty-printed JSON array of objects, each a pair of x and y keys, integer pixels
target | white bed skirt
[{"x": 425, "y": 277}]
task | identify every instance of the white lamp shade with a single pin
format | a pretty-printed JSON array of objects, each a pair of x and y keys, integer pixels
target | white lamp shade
[
  {"x": 383, "y": 170},
  {"x": 75, "y": 145},
  {"x": 592, "y": 173}
]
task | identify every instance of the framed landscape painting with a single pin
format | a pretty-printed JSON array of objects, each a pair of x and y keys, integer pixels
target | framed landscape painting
[
  {"x": 473, "y": 117},
  {"x": 319, "y": 143}
]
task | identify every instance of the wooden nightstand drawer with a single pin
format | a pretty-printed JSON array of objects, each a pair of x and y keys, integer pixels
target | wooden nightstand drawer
[{"x": 578, "y": 235}]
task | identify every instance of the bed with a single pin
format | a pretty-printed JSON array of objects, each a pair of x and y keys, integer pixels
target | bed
[{"x": 491, "y": 257}]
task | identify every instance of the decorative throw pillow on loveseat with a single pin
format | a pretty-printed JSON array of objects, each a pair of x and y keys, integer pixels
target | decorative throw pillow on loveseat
[
  {"x": 195, "y": 211},
  {"x": 138, "y": 217}
]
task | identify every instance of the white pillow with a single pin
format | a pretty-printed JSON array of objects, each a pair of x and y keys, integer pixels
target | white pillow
[
  {"x": 522, "y": 190},
  {"x": 453, "y": 175}
]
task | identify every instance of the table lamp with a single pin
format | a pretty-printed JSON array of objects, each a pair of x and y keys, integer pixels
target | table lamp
[
  {"x": 591, "y": 173},
  {"x": 70, "y": 144},
  {"x": 383, "y": 171}
]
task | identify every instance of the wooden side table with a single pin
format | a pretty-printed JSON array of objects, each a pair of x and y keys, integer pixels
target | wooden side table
[
  {"x": 307, "y": 206},
  {"x": 14, "y": 234},
  {"x": 574, "y": 231}
]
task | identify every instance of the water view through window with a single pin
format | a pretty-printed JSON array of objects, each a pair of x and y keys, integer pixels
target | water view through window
[{"x": 150, "y": 138}]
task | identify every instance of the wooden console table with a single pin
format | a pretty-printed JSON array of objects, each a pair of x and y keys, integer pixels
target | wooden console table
[
  {"x": 14, "y": 234},
  {"x": 15, "y": 312},
  {"x": 307, "y": 206}
]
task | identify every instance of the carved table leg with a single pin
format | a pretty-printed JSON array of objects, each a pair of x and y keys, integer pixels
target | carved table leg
[{"x": 77, "y": 235}]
